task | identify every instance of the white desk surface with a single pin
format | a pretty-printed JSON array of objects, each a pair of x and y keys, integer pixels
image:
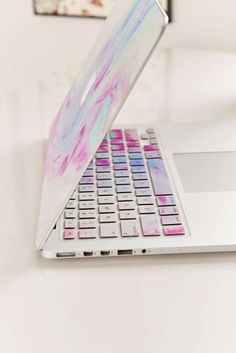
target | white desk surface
[{"x": 166, "y": 304}]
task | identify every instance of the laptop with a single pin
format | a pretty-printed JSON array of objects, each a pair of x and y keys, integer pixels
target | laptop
[{"x": 139, "y": 190}]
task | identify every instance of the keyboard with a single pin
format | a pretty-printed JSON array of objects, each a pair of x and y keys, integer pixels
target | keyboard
[{"x": 124, "y": 192}]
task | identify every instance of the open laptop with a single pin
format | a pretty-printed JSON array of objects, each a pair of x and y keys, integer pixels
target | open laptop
[{"x": 110, "y": 191}]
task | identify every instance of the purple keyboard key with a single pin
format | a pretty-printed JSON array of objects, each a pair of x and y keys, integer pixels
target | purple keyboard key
[
  {"x": 120, "y": 166},
  {"x": 159, "y": 177},
  {"x": 137, "y": 162},
  {"x": 118, "y": 153}
]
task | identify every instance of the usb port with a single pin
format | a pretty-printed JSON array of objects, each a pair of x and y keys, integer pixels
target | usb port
[
  {"x": 105, "y": 252},
  {"x": 65, "y": 254},
  {"x": 88, "y": 253},
  {"x": 125, "y": 252}
]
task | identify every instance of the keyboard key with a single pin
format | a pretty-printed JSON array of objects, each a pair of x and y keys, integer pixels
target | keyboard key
[
  {"x": 137, "y": 162},
  {"x": 107, "y": 209},
  {"x": 123, "y": 188},
  {"x": 121, "y": 173},
  {"x": 106, "y": 192},
  {"x": 70, "y": 224},
  {"x": 109, "y": 230},
  {"x": 166, "y": 201},
  {"x": 104, "y": 183},
  {"x": 87, "y": 223},
  {"x": 116, "y": 134},
  {"x": 170, "y": 220},
  {"x": 101, "y": 155},
  {"x": 104, "y": 169},
  {"x": 118, "y": 153},
  {"x": 152, "y": 154},
  {"x": 144, "y": 137},
  {"x": 102, "y": 162},
  {"x": 86, "y": 180},
  {"x": 120, "y": 166},
  {"x": 116, "y": 141},
  {"x": 69, "y": 234},
  {"x": 86, "y": 188},
  {"x": 126, "y": 206},
  {"x": 143, "y": 192},
  {"x": 106, "y": 200},
  {"x": 87, "y": 196},
  {"x": 152, "y": 135},
  {"x": 120, "y": 147},
  {"x": 70, "y": 214},
  {"x": 140, "y": 176},
  {"x": 150, "y": 130},
  {"x": 90, "y": 166},
  {"x": 131, "y": 135},
  {"x": 146, "y": 209},
  {"x": 119, "y": 160},
  {"x": 72, "y": 204},
  {"x": 128, "y": 215},
  {"x": 136, "y": 149},
  {"x": 103, "y": 148},
  {"x": 87, "y": 214},
  {"x": 135, "y": 156},
  {"x": 125, "y": 197},
  {"x": 145, "y": 201},
  {"x": 89, "y": 173},
  {"x": 141, "y": 184},
  {"x": 122, "y": 181},
  {"x": 153, "y": 141},
  {"x": 138, "y": 169},
  {"x": 129, "y": 228},
  {"x": 73, "y": 196},
  {"x": 87, "y": 205},
  {"x": 108, "y": 218},
  {"x": 88, "y": 233},
  {"x": 150, "y": 225},
  {"x": 160, "y": 180},
  {"x": 104, "y": 176},
  {"x": 133, "y": 144},
  {"x": 174, "y": 230},
  {"x": 150, "y": 148},
  {"x": 168, "y": 211}
]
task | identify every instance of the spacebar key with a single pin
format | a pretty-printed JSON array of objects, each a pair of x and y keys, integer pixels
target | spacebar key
[{"x": 159, "y": 177}]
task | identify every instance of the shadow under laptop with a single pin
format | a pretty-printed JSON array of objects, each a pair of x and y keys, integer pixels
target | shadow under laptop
[{"x": 18, "y": 239}]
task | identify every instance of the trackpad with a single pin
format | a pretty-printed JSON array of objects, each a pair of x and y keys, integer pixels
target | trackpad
[{"x": 207, "y": 172}]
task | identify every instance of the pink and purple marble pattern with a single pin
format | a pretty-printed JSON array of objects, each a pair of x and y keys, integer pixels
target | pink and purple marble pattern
[{"x": 93, "y": 99}]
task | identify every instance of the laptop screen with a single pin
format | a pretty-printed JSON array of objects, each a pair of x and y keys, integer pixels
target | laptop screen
[{"x": 95, "y": 98}]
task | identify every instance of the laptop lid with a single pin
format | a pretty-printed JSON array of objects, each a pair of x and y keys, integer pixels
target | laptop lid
[{"x": 124, "y": 45}]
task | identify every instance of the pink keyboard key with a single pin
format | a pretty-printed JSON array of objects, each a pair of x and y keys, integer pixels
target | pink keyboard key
[
  {"x": 103, "y": 162},
  {"x": 150, "y": 148},
  {"x": 131, "y": 135},
  {"x": 166, "y": 201},
  {"x": 133, "y": 144},
  {"x": 70, "y": 234},
  {"x": 116, "y": 134},
  {"x": 168, "y": 211},
  {"x": 174, "y": 230},
  {"x": 116, "y": 141},
  {"x": 103, "y": 148}
]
